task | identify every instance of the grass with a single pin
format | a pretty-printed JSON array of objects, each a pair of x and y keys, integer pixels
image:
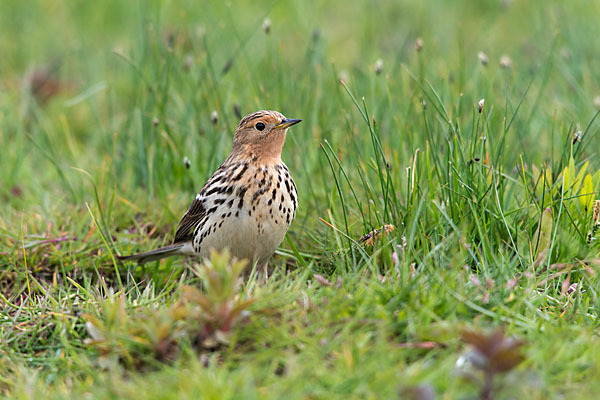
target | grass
[{"x": 488, "y": 174}]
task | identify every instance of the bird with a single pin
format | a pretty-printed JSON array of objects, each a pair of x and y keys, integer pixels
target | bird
[{"x": 247, "y": 205}]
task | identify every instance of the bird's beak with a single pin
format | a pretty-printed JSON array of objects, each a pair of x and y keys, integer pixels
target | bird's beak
[{"x": 286, "y": 123}]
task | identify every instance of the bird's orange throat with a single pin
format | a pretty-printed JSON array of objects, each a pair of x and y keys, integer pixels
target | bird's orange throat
[{"x": 266, "y": 151}]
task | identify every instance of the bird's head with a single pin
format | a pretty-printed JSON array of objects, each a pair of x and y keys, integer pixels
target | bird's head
[{"x": 261, "y": 135}]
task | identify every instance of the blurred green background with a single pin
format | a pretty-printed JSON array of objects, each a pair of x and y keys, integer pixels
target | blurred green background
[{"x": 119, "y": 65}]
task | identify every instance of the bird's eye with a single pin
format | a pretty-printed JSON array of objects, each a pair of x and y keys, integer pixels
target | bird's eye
[{"x": 260, "y": 126}]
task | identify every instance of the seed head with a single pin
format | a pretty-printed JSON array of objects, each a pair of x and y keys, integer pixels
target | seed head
[
  {"x": 481, "y": 104},
  {"x": 483, "y": 58},
  {"x": 266, "y": 25},
  {"x": 505, "y": 61},
  {"x": 170, "y": 41},
  {"x": 188, "y": 61},
  {"x": 187, "y": 163},
  {"x": 419, "y": 44},
  {"x": 237, "y": 111},
  {"x": 597, "y": 101},
  {"x": 155, "y": 121},
  {"x": 214, "y": 117},
  {"x": 378, "y": 66}
]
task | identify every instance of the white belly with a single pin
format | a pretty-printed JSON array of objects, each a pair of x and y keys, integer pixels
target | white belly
[
  {"x": 252, "y": 235},
  {"x": 251, "y": 218}
]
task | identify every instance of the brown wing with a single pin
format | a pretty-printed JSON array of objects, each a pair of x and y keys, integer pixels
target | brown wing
[{"x": 187, "y": 225}]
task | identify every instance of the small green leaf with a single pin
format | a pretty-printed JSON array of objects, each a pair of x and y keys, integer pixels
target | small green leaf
[
  {"x": 543, "y": 236},
  {"x": 587, "y": 193},
  {"x": 566, "y": 179},
  {"x": 579, "y": 179}
]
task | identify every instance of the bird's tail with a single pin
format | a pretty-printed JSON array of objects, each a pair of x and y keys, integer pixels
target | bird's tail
[{"x": 156, "y": 254}]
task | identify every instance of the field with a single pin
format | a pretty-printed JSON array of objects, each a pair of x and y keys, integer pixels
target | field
[{"x": 447, "y": 239}]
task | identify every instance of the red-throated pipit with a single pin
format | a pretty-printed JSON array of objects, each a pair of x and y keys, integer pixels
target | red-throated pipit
[{"x": 249, "y": 202}]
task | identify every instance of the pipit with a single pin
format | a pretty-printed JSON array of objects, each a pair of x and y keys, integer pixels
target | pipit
[{"x": 249, "y": 202}]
